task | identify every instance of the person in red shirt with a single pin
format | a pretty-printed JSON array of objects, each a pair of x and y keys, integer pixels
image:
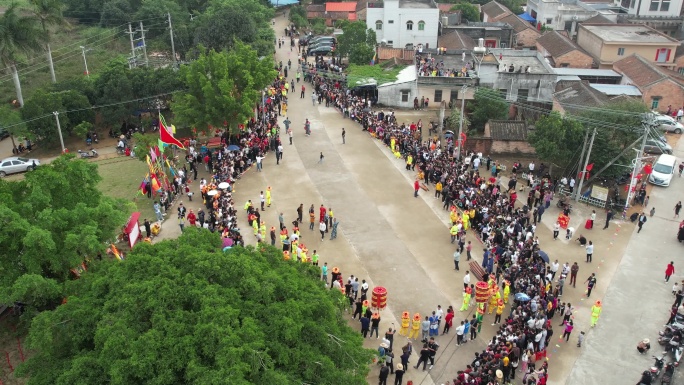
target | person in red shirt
[
  {"x": 322, "y": 212},
  {"x": 669, "y": 271},
  {"x": 192, "y": 218},
  {"x": 448, "y": 321},
  {"x": 416, "y": 187}
]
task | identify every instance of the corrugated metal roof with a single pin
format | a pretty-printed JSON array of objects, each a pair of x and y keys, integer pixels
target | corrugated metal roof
[
  {"x": 616, "y": 89},
  {"x": 349, "y": 6},
  {"x": 585, "y": 72}
]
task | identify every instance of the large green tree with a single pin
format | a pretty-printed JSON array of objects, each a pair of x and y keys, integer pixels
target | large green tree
[
  {"x": 222, "y": 87},
  {"x": 557, "y": 139},
  {"x": 357, "y": 43},
  {"x": 183, "y": 312},
  {"x": 39, "y": 108},
  {"x": 112, "y": 87},
  {"x": 53, "y": 220},
  {"x": 469, "y": 12},
  {"x": 487, "y": 104}
]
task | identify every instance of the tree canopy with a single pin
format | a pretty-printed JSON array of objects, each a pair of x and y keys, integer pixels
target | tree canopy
[
  {"x": 557, "y": 140},
  {"x": 183, "y": 312},
  {"x": 357, "y": 42},
  {"x": 469, "y": 12},
  {"x": 222, "y": 87},
  {"x": 53, "y": 220},
  {"x": 487, "y": 104}
]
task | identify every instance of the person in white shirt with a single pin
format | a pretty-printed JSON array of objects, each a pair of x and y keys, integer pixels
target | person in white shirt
[
  {"x": 554, "y": 268},
  {"x": 572, "y": 184},
  {"x": 590, "y": 250},
  {"x": 322, "y": 227},
  {"x": 259, "y": 158},
  {"x": 466, "y": 280}
]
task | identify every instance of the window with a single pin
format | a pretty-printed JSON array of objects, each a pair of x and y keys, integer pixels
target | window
[
  {"x": 621, "y": 52},
  {"x": 390, "y": 21},
  {"x": 565, "y": 65},
  {"x": 654, "y": 5},
  {"x": 523, "y": 94},
  {"x": 549, "y": 21},
  {"x": 680, "y": 70},
  {"x": 378, "y": 25},
  {"x": 663, "y": 55},
  {"x": 438, "y": 96},
  {"x": 405, "y": 95},
  {"x": 421, "y": 25},
  {"x": 453, "y": 95},
  {"x": 390, "y": 43},
  {"x": 409, "y": 25},
  {"x": 665, "y": 6},
  {"x": 654, "y": 103}
]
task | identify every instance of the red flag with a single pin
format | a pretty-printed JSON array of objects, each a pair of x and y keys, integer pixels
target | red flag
[
  {"x": 590, "y": 166},
  {"x": 166, "y": 136}
]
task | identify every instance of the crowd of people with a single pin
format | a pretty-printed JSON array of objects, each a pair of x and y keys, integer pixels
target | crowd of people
[
  {"x": 478, "y": 201},
  {"x": 428, "y": 65}
]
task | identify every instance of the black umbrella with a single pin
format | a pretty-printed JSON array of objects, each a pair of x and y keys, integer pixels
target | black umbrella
[{"x": 544, "y": 256}]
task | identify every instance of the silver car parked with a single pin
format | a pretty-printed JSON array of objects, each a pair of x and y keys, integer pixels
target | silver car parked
[{"x": 17, "y": 164}]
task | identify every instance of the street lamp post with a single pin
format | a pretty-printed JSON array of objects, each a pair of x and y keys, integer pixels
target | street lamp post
[{"x": 85, "y": 62}]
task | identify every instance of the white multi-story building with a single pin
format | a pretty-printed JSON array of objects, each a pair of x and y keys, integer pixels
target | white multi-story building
[
  {"x": 399, "y": 23},
  {"x": 559, "y": 14},
  {"x": 651, "y": 8}
]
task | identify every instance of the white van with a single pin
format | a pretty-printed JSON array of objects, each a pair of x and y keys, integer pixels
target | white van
[{"x": 663, "y": 170}]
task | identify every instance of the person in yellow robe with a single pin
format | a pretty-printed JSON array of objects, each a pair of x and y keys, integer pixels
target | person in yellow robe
[
  {"x": 506, "y": 291},
  {"x": 405, "y": 322},
  {"x": 467, "y": 293},
  {"x": 415, "y": 326},
  {"x": 466, "y": 220},
  {"x": 268, "y": 196}
]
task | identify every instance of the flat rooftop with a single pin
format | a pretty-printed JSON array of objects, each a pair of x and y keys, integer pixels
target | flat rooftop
[
  {"x": 520, "y": 58},
  {"x": 616, "y": 89},
  {"x": 417, "y": 4},
  {"x": 586, "y": 72},
  {"x": 627, "y": 33}
]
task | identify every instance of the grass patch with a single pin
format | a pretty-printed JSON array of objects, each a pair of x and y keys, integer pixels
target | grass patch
[
  {"x": 358, "y": 75},
  {"x": 34, "y": 73},
  {"x": 121, "y": 178}
]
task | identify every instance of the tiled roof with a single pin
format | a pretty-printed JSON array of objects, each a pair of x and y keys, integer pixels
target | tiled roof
[
  {"x": 446, "y": 8},
  {"x": 641, "y": 72},
  {"x": 347, "y": 6},
  {"x": 556, "y": 44},
  {"x": 315, "y": 11},
  {"x": 495, "y": 10},
  {"x": 508, "y": 130},
  {"x": 456, "y": 40},
  {"x": 517, "y": 23},
  {"x": 598, "y": 19},
  {"x": 574, "y": 95}
]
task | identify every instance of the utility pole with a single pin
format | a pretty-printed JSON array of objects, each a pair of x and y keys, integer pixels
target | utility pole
[
  {"x": 85, "y": 62},
  {"x": 646, "y": 124},
  {"x": 584, "y": 148},
  {"x": 460, "y": 123},
  {"x": 144, "y": 46},
  {"x": 130, "y": 35},
  {"x": 173, "y": 47},
  {"x": 59, "y": 131},
  {"x": 586, "y": 163}
]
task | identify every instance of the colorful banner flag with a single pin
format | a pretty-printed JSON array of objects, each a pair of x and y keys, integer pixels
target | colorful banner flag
[
  {"x": 166, "y": 133},
  {"x": 153, "y": 155},
  {"x": 375, "y": 58}
]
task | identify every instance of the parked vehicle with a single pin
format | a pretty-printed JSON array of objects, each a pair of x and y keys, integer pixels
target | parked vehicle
[
  {"x": 655, "y": 146},
  {"x": 88, "y": 154},
  {"x": 663, "y": 170},
  {"x": 669, "y": 124},
  {"x": 323, "y": 50},
  {"x": 17, "y": 164}
]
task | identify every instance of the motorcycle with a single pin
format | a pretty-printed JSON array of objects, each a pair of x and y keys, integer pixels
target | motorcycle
[
  {"x": 646, "y": 378},
  {"x": 120, "y": 150},
  {"x": 88, "y": 154},
  {"x": 563, "y": 205},
  {"x": 668, "y": 373},
  {"x": 657, "y": 366}
]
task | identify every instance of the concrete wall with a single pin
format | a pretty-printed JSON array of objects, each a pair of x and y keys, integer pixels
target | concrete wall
[
  {"x": 589, "y": 42},
  {"x": 539, "y": 86},
  {"x": 500, "y": 35},
  {"x": 390, "y": 95},
  {"x": 396, "y": 31},
  {"x": 501, "y": 147}
]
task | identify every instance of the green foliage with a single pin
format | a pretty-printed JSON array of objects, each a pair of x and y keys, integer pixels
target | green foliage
[
  {"x": 357, "y": 43},
  {"x": 228, "y": 21},
  {"x": 143, "y": 144},
  {"x": 453, "y": 120},
  {"x": 469, "y": 12},
  {"x": 619, "y": 125},
  {"x": 358, "y": 74},
  {"x": 183, "y": 312},
  {"x": 487, "y": 104},
  {"x": 112, "y": 86},
  {"x": 318, "y": 26},
  {"x": 298, "y": 16},
  {"x": 41, "y": 123},
  {"x": 222, "y": 87},
  {"x": 115, "y": 12},
  {"x": 10, "y": 120},
  {"x": 556, "y": 139},
  {"x": 83, "y": 128},
  {"x": 52, "y": 220}
]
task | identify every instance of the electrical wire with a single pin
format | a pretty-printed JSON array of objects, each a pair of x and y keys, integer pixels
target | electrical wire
[{"x": 95, "y": 107}]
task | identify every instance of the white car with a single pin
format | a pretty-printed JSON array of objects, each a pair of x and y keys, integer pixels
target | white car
[
  {"x": 17, "y": 164},
  {"x": 669, "y": 124}
]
